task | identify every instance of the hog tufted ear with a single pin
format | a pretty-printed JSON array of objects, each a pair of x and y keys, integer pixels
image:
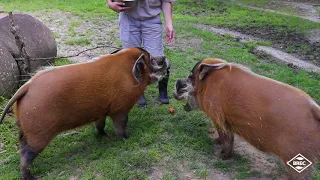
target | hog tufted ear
[
  {"x": 113, "y": 52},
  {"x": 159, "y": 62},
  {"x": 137, "y": 68},
  {"x": 204, "y": 69}
]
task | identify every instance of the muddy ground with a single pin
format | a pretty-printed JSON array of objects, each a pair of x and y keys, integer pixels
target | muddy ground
[{"x": 309, "y": 10}]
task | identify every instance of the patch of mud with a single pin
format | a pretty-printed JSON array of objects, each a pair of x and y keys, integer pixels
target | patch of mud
[
  {"x": 237, "y": 35},
  {"x": 314, "y": 36},
  {"x": 290, "y": 41},
  {"x": 276, "y": 54},
  {"x": 305, "y": 10},
  {"x": 305, "y": 46},
  {"x": 291, "y": 60}
]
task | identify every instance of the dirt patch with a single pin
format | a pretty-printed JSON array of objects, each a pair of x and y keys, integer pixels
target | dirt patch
[
  {"x": 185, "y": 173},
  {"x": 261, "y": 162},
  {"x": 68, "y": 28},
  {"x": 302, "y": 9},
  {"x": 212, "y": 173},
  {"x": 3, "y": 15},
  {"x": 290, "y": 60},
  {"x": 306, "y": 10},
  {"x": 266, "y": 163},
  {"x": 157, "y": 172},
  {"x": 237, "y": 35},
  {"x": 314, "y": 36},
  {"x": 275, "y": 54},
  {"x": 307, "y": 47},
  {"x": 291, "y": 41}
]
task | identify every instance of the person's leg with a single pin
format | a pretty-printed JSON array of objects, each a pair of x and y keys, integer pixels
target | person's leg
[
  {"x": 152, "y": 41},
  {"x": 130, "y": 36},
  {"x": 130, "y": 31}
]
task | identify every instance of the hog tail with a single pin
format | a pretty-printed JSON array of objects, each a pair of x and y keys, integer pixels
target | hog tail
[{"x": 19, "y": 94}]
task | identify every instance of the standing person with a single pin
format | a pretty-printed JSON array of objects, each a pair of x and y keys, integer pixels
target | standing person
[{"x": 141, "y": 24}]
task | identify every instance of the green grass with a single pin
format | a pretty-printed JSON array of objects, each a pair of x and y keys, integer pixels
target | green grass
[
  {"x": 72, "y": 27},
  {"x": 3, "y": 102},
  {"x": 283, "y": 31},
  {"x": 233, "y": 16},
  {"x": 79, "y": 42},
  {"x": 239, "y": 164},
  {"x": 157, "y": 138},
  {"x": 273, "y": 5},
  {"x": 61, "y": 62},
  {"x": 82, "y": 8}
]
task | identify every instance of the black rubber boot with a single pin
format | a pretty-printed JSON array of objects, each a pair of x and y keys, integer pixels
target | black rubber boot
[
  {"x": 142, "y": 101},
  {"x": 163, "y": 91}
]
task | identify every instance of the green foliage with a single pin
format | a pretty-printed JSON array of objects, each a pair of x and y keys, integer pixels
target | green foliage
[
  {"x": 3, "y": 102},
  {"x": 80, "y": 42},
  {"x": 63, "y": 61},
  {"x": 241, "y": 165},
  {"x": 82, "y": 8}
]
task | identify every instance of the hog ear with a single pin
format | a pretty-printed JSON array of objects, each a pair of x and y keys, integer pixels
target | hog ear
[
  {"x": 113, "y": 52},
  {"x": 204, "y": 69},
  {"x": 137, "y": 68}
]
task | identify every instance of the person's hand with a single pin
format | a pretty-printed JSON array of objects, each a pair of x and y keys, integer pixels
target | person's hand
[
  {"x": 117, "y": 6},
  {"x": 170, "y": 35}
]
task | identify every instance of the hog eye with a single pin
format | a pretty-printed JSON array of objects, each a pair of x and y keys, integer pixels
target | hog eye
[{"x": 160, "y": 63}]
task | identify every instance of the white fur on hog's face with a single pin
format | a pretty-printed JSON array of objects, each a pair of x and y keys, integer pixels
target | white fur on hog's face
[
  {"x": 186, "y": 91},
  {"x": 159, "y": 68}
]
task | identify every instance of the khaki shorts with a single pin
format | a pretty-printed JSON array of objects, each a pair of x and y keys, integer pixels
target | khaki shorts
[{"x": 146, "y": 33}]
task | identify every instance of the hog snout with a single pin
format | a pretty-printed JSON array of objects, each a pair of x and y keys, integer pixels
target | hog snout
[{"x": 180, "y": 89}]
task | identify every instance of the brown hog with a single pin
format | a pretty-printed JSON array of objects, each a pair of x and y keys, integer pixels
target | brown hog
[
  {"x": 70, "y": 96},
  {"x": 272, "y": 116}
]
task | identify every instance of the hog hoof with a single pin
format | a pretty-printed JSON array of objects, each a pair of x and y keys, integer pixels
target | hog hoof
[
  {"x": 123, "y": 136},
  {"x": 217, "y": 141},
  {"x": 224, "y": 155},
  {"x": 28, "y": 177},
  {"x": 102, "y": 133}
]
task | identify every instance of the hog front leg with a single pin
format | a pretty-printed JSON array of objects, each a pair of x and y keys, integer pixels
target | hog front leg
[
  {"x": 100, "y": 124},
  {"x": 226, "y": 138},
  {"x": 120, "y": 121}
]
